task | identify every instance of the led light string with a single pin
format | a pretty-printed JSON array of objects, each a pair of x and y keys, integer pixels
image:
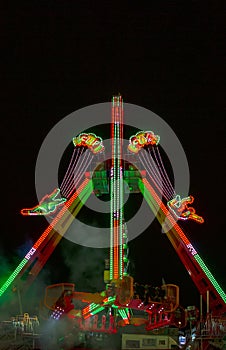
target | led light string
[
  {"x": 163, "y": 171},
  {"x": 76, "y": 153},
  {"x": 112, "y": 194},
  {"x": 158, "y": 179},
  {"x": 115, "y": 248},
  {"x": 74, "y": 172},
  {"x": 121, "y": 225},
  {"x": 155, "y": 180},
  {"x": 153, "y": 169},
  {"x": 71, "y": 176},
  {"x": 156, "y": 165},
  {"x": 125, "y": 250},
  {"x": 78, "y": 179},
  {"x": 79, "y": 173},
  {"x": 116, "y": 191},
  {"x": 111, "y": 225},
  {"x": 122, "y": 192},
  {"x": 120, "y": 200}
]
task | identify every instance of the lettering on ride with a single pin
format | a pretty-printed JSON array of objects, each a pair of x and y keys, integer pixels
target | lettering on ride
[
  {"x": 141, "y": 139},
  {"x": 191, "y": 249},
  {"x": 90, "y": 140},
  {"x": 30, "y": 253}
]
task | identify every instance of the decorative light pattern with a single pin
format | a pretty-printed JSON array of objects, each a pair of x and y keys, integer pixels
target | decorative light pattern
[
  {"x": 47, "y": 205},
  {"x": 116, "y": 192},
  {"x": 118, "y": 236},
  {"x": 141, "y": 139},
  {"x": 109, "y": 300},
  {"x": 182, "y": 211},
  {"x": 124, "y": 313},
  {"x": 86, "y": 186},
  {"x": 91, "y": 310},
  {"x": 152, "y": 162},
  {"x": 125, "y": 250},
  {"x": 57, "y": 313},
  {"x": 90, "y": 140},
  {"x": 99, "y": 309},
  {"x": 77, "y": 168}
]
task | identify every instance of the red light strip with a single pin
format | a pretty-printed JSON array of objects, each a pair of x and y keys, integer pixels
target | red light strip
[
  {"x": 116, "y": 250},
  {"x": 166, "y": 212},
  {"x": 60, "y": 214},
  {"x": 42, "y": 238}
]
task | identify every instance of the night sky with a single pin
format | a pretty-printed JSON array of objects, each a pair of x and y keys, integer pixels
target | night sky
[{"x": 166, "y": 56}]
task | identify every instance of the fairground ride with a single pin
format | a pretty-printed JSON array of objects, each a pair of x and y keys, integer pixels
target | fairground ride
[{"x": 123, "y": 302}]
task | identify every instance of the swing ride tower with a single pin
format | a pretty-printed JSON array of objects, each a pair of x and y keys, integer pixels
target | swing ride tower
[
  {"x": 168, "y": 207},
  {"x": 116, "y": 191}
]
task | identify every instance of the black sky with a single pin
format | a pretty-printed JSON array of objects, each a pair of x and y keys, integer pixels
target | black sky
[{"x": 167, "y": 56}]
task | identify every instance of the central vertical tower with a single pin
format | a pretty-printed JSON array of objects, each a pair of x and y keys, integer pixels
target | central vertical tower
[{"x": 116, "y": 191}]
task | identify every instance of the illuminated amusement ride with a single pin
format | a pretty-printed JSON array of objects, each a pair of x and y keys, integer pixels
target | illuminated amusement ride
[{"x": 123, "y": 302}]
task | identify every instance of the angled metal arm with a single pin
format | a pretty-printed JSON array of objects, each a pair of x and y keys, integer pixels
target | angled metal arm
[
  {"x": 38, "y": 255},
  {"x": 198, "y": 271}
]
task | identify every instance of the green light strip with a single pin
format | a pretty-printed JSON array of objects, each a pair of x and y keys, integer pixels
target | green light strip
[
  {"x": 123, "y": 314},
  {"x": 112, "y": 191},
  {"x": 89, "y": 308},
  {"x": 110, "y": 300},
  {"x": 114, "y": 195},
  {"x": 121, "y": 226},
  {"x": 119, "y": 199},
  {"x": 111, "y": 199},
  {"x": 111, "y": 230},
  {"x": 210, "y": 276},
  {"x": 92, "y": 306},
  {"x": 97, "y": 310},
  {"x": 13, "y": 275},
  {"x": 127, "y": 311}
]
